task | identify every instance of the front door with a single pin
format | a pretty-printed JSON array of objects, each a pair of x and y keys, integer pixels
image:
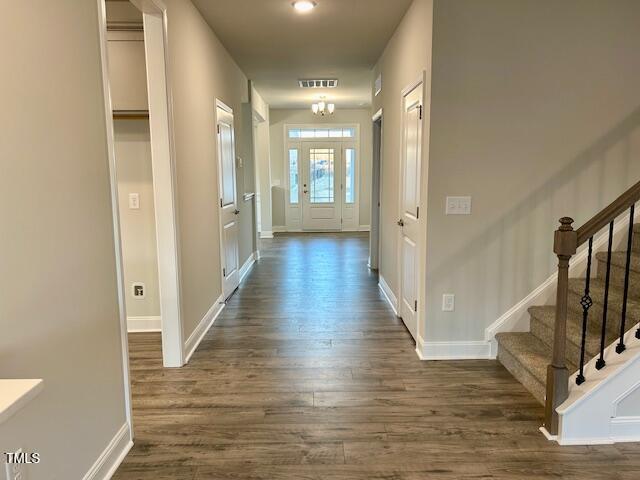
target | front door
[
  {"x": 409, "y": 206},
  {"x": 228, "y": 200},
  {"x": 321, "y": 186}
]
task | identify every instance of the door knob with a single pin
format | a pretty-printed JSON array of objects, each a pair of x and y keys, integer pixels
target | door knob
[
  {"x": 236, "y": 212},
  {"x": 401, "y": 223}
]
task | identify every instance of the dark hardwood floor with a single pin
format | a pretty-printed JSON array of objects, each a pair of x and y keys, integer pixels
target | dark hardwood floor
[{"x": 308, "y": 375}]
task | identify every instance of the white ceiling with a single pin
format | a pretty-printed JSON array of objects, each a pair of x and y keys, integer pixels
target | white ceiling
[{"x": 275, "y": 45}]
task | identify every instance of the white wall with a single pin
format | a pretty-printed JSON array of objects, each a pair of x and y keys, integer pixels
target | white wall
[
  {"x": 127, "y": 72},
  {"x": 59, "y": 313},
  {"x": 281, "y": 117},
  {"x": 137, "y": 227},
  {"x": 536, "y": 115}
]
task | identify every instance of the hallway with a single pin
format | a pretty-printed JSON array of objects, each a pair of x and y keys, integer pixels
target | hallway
[{"x": 307, "y": 374}]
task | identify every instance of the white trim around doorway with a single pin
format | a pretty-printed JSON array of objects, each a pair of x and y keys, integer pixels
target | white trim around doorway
[{"x": 122, "y": 311}]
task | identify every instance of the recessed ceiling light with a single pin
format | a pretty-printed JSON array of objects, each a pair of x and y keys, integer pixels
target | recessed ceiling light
[{"x": 304, "y": 6}]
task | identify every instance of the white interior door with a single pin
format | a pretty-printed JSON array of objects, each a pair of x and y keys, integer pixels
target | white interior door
[
  {"x": 409, "y": 206},
  {"x": 321, "y": 182},
  {"x": 228, "y": 200}
]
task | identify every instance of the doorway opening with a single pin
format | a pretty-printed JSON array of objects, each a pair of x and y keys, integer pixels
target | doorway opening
[
  {"x": 376, "y": 194},
  {"x": 137, "y": 92}
]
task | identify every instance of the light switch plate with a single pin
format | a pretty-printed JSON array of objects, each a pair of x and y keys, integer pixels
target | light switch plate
[
  {"x": 134, "y": 201},
  {"x": 458, "y": 206},
  {"x": 448, "y": 302}
]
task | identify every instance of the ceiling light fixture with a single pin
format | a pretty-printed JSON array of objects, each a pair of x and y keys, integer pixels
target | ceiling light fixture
[
  {"x": 323, "y": 108},
  {"x": 304, "y": 6}
]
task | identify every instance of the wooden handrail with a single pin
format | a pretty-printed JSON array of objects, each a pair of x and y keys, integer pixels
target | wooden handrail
[
  {"x": 566, "y": 243},
  {"x": 602, "y": 219}
]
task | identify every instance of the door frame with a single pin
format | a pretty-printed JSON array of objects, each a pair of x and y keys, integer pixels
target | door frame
[
  {"x": 219, "y": 104},
  {"x": 164, "y": 186},
  {"x": 376, "y": 189},
  {"x": 154, "y": 14},
  {"x": 420, "y": 280},
  {"x": 298, "y": 143}
]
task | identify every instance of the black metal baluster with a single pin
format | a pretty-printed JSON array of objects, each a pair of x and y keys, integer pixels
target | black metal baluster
[
  {"x": 586, "y": 303},
  {"x": 605, "y": 309},
  {"x": 621, "y": 346}
]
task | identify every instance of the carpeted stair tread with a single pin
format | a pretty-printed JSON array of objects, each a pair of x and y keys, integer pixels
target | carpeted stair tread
[
  {"x": 527, "y": 358},
  {"x": 576, "y": 291},
  {"x": 547, "y": 315},
  {"x": 618, "y": 270},
  {"x": 619, "y": 259}
]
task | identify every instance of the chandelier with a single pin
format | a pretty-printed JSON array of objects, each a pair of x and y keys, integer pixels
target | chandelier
[{"x": 323, "y": 108}]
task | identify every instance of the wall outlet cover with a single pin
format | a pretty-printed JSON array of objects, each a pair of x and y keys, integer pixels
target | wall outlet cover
[
  {"x": 448, "y": 302},
  {"x": 138, "y": 290}
]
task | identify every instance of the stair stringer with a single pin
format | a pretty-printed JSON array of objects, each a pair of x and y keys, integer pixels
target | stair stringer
[{"x": 590, "y": 415}]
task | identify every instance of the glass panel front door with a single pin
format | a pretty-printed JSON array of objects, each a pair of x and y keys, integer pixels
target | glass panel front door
[
  {"x": 321, "y": 175},
  {"x": 321, "y": 183}
]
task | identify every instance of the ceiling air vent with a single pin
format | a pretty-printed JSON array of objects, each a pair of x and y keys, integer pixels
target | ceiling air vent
[{"x": 322, "y": 83}]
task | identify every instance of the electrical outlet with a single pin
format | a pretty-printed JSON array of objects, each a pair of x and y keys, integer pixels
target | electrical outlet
[
  {"x": 15, "y": 470},
  {"x": 138, "y": 290},
  {"x": 448, "y": 302}
]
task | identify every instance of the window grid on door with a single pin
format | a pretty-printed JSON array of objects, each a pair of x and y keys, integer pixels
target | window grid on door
[{"x": 321, "y": 175}]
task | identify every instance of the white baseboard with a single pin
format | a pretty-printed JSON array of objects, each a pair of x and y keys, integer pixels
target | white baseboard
[
  {"x": 203, "y": 327},
  {"x": 388, "y": 294},
  {"x": 266, "y": 235},
  {"x": 516, "y": 319},
  {"x": 106, "y": 465},
  {"x": 144, "y": 324},
  {"x": 625, "y": 429},
  {"x": 248, "y": 264},
  {"x": 462, "y": 350},
  {"x": 285, "y": 229}
]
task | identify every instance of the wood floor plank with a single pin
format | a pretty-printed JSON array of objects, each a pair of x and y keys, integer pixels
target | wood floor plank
[{"x": 308, "y": 375}]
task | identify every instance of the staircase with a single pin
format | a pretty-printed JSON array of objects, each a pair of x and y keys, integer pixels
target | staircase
[{"x": 527, "y": 355}]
